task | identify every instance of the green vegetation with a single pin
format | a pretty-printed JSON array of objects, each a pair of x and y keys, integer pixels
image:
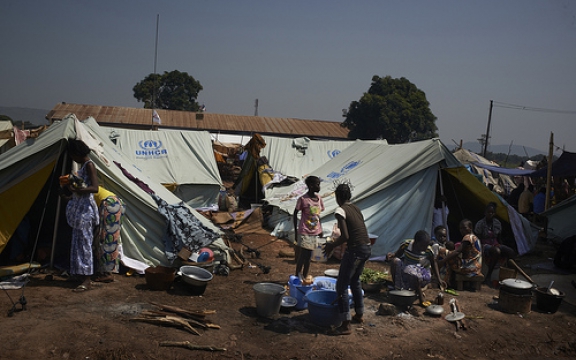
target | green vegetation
[
  {"x": 173, "y": 90},
  {"x": 392, "y": 109},
  {"x": 373, "y": 276}
]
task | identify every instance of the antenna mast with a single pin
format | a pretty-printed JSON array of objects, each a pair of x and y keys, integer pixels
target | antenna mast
[{"x": 155, "y": 61}]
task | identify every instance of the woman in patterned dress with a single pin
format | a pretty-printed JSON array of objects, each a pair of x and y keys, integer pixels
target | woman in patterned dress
[
  {"x": 82, "y": 214},
  {"x": 108, "y": 235}
]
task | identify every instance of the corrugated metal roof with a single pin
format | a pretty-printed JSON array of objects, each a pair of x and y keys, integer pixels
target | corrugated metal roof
[{"x": 185, "y": 120}]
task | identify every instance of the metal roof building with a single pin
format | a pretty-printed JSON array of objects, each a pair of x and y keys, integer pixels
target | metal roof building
[{"x": 139, "y": 118}]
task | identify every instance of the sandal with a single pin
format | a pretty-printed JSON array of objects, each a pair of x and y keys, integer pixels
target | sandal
[
  {"x": 81, "y": 288},
  {"x": 104, "y": 278}
]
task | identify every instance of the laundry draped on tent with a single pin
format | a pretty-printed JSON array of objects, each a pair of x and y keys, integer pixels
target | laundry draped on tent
[{"x": 183, "y": 229}]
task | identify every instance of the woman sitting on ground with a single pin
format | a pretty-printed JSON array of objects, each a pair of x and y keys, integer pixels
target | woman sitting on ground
[
  {"x": 411, "y": 264},
  {"x": 489, "y": 230},
  {"x": 466, "y": 259}
]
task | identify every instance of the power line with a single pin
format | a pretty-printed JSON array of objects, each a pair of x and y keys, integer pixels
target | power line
[{"x": 530, "y": 108}]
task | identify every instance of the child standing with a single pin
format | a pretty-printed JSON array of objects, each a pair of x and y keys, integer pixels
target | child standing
[{"x": 308, "y": 230}]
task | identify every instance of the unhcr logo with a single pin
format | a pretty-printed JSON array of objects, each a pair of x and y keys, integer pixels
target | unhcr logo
[
  {"x": 333, "y": 153},
  {"x": 151, "y": 149},
  {"x": 345, "y": 170}
]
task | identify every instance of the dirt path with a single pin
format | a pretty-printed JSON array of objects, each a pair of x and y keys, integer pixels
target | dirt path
[{"x": 97, "y": 324}]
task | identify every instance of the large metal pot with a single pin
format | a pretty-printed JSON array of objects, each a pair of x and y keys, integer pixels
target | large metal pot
[
  {"x": 516, "y": 286},
  {"x": 402, "y": 298}
]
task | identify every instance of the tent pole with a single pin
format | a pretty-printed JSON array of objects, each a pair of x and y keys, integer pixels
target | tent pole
[
  {"x": 444, "y": 219},
  {"x": 549, "y": 174},
  {"x": 57, "y": 220}
]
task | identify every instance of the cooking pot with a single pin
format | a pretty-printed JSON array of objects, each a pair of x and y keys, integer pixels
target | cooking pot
[
  {"x": 402, "y": 298},
  {"x": 516, "y": 286}
]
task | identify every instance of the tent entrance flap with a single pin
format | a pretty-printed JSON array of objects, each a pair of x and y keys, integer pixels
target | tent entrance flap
[{"x": 16, "y": 201}]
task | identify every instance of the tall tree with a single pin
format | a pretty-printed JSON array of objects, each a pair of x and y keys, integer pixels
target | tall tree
[
  {"x": 175, "y": 90},
  {"x": 392, "y": 109}
]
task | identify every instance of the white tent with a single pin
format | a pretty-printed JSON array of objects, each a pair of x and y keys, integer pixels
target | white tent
[
  {"x": 29, "y": 178},
  {"x": 183, "y": 161},
  {"x": 394, "y": 186},
  {"x": 298, "y": 157}
]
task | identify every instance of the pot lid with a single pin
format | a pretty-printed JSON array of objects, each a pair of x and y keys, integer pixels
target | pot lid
[
  {"x": 455, "y": 316},
  {"x": 435, "y": 309},
  {"x": 516, "y": 283}
]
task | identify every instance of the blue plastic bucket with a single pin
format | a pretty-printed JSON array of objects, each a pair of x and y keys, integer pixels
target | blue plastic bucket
[
  {"x": 320, "y": 308},
  {"x": 297, "y": 291},
  {"x": 329, "y": 283}
]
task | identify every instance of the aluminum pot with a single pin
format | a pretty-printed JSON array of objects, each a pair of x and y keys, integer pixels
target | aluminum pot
[
  {"x": 402, "y": 298},
  {"x": 516, "y": 286}
]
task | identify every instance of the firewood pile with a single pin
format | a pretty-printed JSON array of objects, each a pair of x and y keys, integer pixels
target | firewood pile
[{"x": 188, "y": 320}]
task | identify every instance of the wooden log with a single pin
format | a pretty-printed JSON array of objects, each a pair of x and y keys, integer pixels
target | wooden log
[
  {"x": 169, "y": 321},
  {"x": 189, "y": 345}
]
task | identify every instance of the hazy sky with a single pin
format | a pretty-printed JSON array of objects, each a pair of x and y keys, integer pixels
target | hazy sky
[{"x": 307, "y": 59}]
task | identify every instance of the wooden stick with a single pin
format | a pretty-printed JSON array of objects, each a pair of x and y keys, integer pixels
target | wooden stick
[
  {"x": 169, "y": 321},
  {"x": 177, "y": 310},
  {"x": 188, "y": 345},
  {"x": 520, "y": 270}
]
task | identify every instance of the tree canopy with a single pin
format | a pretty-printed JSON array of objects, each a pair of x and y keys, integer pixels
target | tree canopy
[
  {"x": 175, "y": 90},
  {"x": 392, "y": 109}
]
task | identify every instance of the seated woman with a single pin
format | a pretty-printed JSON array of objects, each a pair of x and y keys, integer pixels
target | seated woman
[
  {"x": 411, "y": 264},
  {"x": 489, "y": 230},
  {"x": 466, "y": 259}
]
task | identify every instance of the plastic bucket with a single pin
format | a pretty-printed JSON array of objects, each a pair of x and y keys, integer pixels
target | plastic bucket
[
  {"x": 268, "y": 298},
  {"x": 320, "y": 308},
  {"x": 547, "y": 302},
  {"x": 318, "y": 252},
  {"x": 297, "y": 291}
]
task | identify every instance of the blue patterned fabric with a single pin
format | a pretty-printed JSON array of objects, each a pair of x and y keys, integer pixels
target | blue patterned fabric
[{"x": 182, "y": 229}]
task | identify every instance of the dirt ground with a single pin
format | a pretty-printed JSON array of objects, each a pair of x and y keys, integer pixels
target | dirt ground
[{"x": 98, "y": 324}]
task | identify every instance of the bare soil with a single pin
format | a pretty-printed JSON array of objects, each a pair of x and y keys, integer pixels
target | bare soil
[{"x": 97, "y": 324}]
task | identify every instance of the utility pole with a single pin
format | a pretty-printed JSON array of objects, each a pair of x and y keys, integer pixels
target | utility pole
[
  {"x": 549, "y": 172},
  {"x": 487, "y": 131},
  {"x": 256, "y": 107},
  {"x": 154, "y": 126}
]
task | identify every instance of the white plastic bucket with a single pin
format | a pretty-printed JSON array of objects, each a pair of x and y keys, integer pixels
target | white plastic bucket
[{"x": 318, "y": 252}]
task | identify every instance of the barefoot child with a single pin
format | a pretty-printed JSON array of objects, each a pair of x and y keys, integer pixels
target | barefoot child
[{"x": 306, "y": 233}]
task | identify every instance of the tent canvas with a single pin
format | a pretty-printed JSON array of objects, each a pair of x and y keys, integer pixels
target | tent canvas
[
  {"x": 183, "y": 161},
  {"x": 299, "y": 156},
  {"x": 503, "y": 184},
  {"x": 394, "y": 186},
  {"x": 561, "y": 217},
  {"x": 6, "y": 140},
  {"x": 32, "y": 169}
]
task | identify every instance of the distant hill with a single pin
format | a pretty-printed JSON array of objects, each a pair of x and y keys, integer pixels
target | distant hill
[
  {"x": 503, "y": 149},
  {"x": 34, "y": 116}
]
